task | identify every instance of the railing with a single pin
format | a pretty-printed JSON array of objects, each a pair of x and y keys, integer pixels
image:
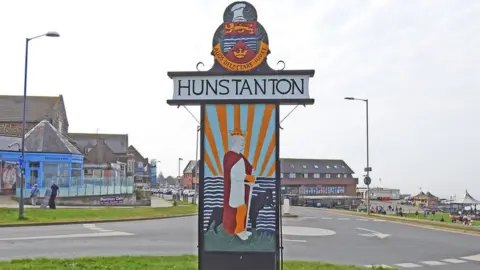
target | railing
[{"x": 89, "y": 187}]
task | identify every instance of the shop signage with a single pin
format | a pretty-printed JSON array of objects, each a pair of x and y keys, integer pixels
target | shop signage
[
  {"x": 325, "y": 190},
  {"x": 111, "y": 200}
]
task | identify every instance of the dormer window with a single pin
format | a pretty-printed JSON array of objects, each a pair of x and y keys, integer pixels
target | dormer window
[
  {"x": 88, "y": 149},
  {"x": 328, "y": 166},
  {"x": 335, "y": 166},
  {"x": 304, "y": 166},
  {"x": 292, "y": 166},
  {"x": 315, "y": 166}
]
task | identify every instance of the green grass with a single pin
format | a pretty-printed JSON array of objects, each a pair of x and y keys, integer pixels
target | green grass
[
  {"x": 221, "y": 241},
  {"x": 181, "y": 202},
  {"x": 420, "y": 221},
  {"x": 144, "y": 263},
  {"x": 38, "y": 215},
  {"x": 438, "y": 217}
]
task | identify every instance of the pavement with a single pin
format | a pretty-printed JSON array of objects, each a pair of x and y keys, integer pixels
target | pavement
[{"x": 317, "y": 235}]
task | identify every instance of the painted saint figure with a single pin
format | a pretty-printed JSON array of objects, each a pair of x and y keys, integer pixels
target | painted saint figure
[{"x": 237, "y": 169}]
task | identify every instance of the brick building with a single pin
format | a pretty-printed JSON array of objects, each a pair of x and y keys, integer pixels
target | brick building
[
  {"x": 190, "y": 175},
  {"x": 327, "y": 180},
  {"x": 50, "y": 108}
]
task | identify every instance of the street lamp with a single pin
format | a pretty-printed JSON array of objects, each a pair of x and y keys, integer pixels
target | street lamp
[
  {"x": 24, "y": 120},
  {"x": 367, "y": 180}
]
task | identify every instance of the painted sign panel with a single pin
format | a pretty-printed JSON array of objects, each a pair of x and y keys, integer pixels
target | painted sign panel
[
  {"x": 241, "y": 42},
  {"x": 239, "y": 180},
  {"x": 241, "y": 87}
]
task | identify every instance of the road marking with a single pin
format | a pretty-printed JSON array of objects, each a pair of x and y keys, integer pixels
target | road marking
[
  {"x": 362, "y": 219},
  {"x": 88, "y": 225},
  {"x": 80, "y": 235},
  {"x": 305, "y": 231},
  {"x": 373, "y": 233},
  {"x": 378, "y": 265},
  {"x": 454, "y": 261},
  {"x": 472, "y": 258},
  {"x": 292, "y": 240},
  {"x": 343, "y": 218},
  {"x": 326, "y": 218},
  {"x": 408, "y": 265},
  {"x": 433, "y": 263}
]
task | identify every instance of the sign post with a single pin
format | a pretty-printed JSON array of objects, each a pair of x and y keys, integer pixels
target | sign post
[{"x": 239, "y": 224}]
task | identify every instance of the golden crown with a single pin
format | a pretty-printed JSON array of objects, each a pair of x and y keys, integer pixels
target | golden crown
[
  {"x": 237, "y": 132},
  {"x": 240, "y": 53}
]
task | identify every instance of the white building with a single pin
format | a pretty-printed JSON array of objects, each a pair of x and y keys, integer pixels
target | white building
[{"x": 377, "y": 193}]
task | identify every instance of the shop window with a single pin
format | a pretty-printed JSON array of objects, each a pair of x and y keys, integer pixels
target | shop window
[
  {"x": 305, "y": 175},
  {"x": 327, "y": 175},
  {"x": 281, "y": 175},
  {"x": 292, "y": 175},
  {"x": 316, "y": 175},
  {"x": 76, "y": 165}
]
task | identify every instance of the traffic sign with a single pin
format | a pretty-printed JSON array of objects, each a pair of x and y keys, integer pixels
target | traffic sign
[{"x": 367, "y": 180}]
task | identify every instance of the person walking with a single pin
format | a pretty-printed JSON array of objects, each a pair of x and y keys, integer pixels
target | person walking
[
  {"x": 34, "y": 194},
  {"x": 53, "y": 195}
]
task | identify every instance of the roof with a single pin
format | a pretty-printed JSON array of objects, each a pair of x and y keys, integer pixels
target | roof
[
  {"x": 101, "y": 153},
  {"x": 6, "y": 141},
  {"x": 118, "y": 143},
  {"x": 38, "y": 108},
  {"x": 293, "y": 165},
  {"x": 190, "y": 166},
  {"x": 466, "y": 199},
  {"x": 136, "y": 153},
  {"x": 44, "y": 137}
]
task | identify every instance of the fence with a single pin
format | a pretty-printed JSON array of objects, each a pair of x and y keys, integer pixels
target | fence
[{"x": 89, "y": 187}]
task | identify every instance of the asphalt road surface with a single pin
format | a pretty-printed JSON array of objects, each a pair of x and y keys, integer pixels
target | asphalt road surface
[{"x": 315, "y": 235}]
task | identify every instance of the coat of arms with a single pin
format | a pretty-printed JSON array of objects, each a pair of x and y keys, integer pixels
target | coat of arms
[{"x": 241, "y": 42}]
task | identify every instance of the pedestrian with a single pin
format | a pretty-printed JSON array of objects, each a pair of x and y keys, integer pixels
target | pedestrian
[
  {"x": 53, "y": 195},
  {"x": 34, "y": 194}
]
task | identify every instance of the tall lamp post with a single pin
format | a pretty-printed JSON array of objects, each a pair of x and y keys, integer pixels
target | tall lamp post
[
  {"x": 24, "y": 120},
  {"x": 367, "y": 180},
  {"x": 179, "y": 165}
]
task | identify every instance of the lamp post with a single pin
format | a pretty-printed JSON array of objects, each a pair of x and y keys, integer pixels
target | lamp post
[
  {"x": 195, "y": 169},
  {"x": 179, "y": 165},
  {"x": 24, "y": 120},
  {"x": 367, "y": 180}
]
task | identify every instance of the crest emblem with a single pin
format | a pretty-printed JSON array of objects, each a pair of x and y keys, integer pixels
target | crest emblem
[{"x": 241, "y": 42}]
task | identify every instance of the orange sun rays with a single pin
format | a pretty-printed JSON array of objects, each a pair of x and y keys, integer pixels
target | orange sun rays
[{"x": 265, "y": 169}]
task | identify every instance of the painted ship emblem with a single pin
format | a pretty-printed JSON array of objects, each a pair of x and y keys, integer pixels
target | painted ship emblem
[{"x": 240, "y": 43}]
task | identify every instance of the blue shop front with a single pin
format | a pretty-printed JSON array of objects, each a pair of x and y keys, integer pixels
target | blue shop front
[{"x": 49, "y": 157}]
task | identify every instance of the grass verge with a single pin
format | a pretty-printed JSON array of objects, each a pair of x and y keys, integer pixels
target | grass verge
[
  {"x": 416, "y": 221},
  {"x": 144, "y": 263},
  {"x": 37, "y": 215}
]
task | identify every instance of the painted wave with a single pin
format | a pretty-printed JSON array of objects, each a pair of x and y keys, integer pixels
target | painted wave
[
  {"x": 228, "y": 43},
  {"x": 213, "y": 198}
]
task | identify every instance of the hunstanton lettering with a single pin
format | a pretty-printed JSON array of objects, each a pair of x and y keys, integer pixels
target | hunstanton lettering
[{"x": 240, "y": 87}]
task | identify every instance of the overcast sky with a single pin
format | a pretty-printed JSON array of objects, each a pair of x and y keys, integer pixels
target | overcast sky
[{"x": 416, "y": 61}]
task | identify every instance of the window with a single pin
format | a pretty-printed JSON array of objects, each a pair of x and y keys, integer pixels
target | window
[
  {"x": 60, "y": 126},
  {"x": 305, "y": 175},
  {"x": 343, "y": 166},
  {"x": 327, "y": 175},
  {"x": 281, "y": 175},
  {"x": 291, "y": 175},
  {"x": 304, "y": 166},
  {"x": 328, "y": 166},
  {"x": 345, "y": 176},
  {"x": 292, "y": 166},
  {"x": 339, "y": 175},
  {"x": 76, "y": 165},
  {"x": 316, "y": 175},
  {"x": 315, "y": 166},
  {"x": 87, "y": 150},
  {"x": 335, "y": 166}
]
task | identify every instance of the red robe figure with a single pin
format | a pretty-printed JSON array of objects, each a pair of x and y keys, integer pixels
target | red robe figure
[{"x": 237, "y": 169}]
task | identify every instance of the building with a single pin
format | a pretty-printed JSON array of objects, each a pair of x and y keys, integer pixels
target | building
[
  {"x": 190, "y": 175},
  {"x": 427, "y": 200},
  {"x": 39, "y": 108},
  {"x": 377, "y": 193},
  {"x": 49, "y": 156},
  {"x": 318, "y": 181}
]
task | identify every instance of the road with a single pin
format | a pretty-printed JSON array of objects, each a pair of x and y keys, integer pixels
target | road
[{"x": 315, "y": 235}]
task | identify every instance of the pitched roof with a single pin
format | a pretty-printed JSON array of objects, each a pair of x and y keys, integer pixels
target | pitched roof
[
  {"x": 190, "y": 166},
  {"x": 44, "y": 137},
  {"x": 38, "y": 108},
  {"x": 6, "y": 141},
  {"x": 101, "y": 153},
  {"x": 118, "y": 143},
  {"x": 466, "y": 199},
  {"x": 294, "y": 165}
]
